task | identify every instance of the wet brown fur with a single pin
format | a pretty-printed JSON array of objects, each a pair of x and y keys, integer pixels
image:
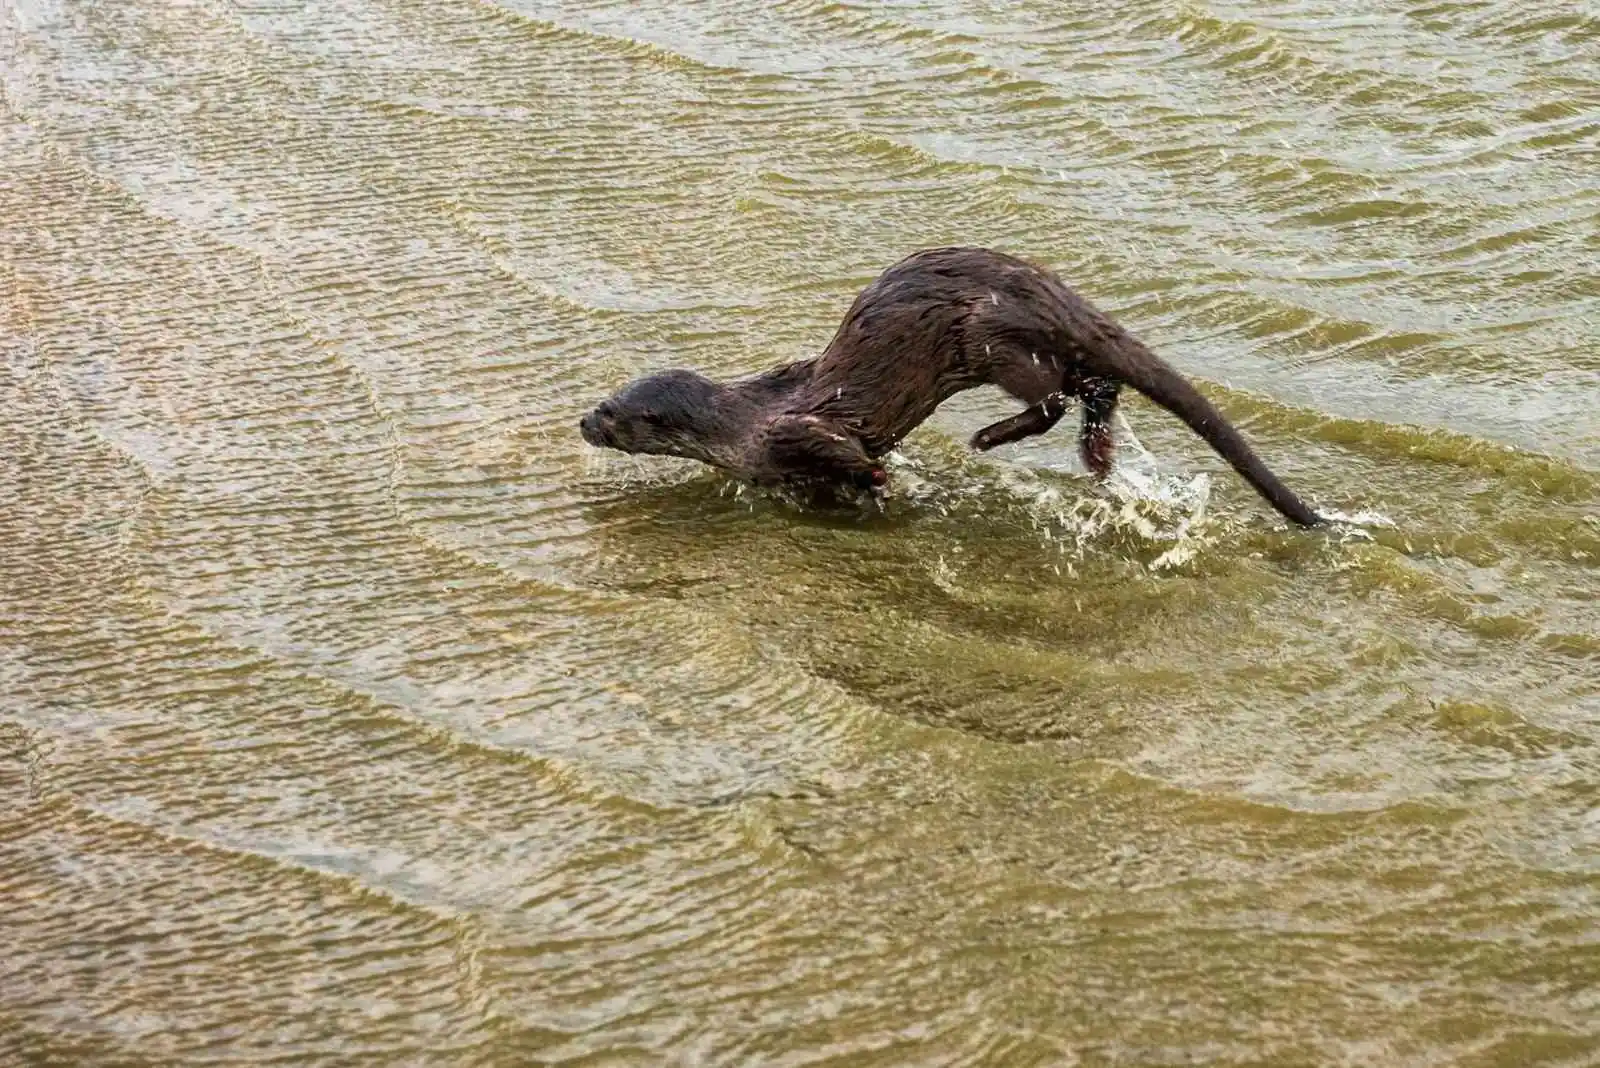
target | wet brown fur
[{"x": 938, "y": 322}]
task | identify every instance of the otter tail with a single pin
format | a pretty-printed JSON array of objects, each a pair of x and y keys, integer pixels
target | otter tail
[{"x": 1127, "y": 360}]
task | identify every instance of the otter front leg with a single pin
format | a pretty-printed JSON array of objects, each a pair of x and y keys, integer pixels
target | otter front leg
[
  {"x": 807, "y": 448},
  {"x": 1032, "y": 420}
]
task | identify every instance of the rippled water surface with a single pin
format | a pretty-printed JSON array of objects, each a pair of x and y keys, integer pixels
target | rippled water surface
[{"x": 353, "y": 710}]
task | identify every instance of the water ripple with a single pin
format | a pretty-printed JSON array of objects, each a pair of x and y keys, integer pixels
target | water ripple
[{"x": 368, "y": 714}]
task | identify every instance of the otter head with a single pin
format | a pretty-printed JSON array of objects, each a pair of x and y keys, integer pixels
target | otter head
[{"x": 673, "y": 413}]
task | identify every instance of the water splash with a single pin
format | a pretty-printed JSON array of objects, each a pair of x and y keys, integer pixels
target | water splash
[{"x": 1138, "y": 506}]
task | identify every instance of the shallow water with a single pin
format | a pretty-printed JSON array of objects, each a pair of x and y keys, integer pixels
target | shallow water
[{"x": 353, "y": 710}]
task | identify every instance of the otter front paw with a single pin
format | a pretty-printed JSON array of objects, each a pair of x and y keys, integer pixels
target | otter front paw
[{"x": 874, "y": 478}]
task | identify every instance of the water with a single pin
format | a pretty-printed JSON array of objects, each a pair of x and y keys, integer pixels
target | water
[{"x": 353, "y": 711}]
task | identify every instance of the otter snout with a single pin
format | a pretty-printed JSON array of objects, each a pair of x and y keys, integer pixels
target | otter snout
[{"x": 598, "y": 427}]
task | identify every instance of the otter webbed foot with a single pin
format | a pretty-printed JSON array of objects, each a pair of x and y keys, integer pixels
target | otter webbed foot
[
  {"x": 1097, "y": 449},
  {"x": 1096, "y": 445}
]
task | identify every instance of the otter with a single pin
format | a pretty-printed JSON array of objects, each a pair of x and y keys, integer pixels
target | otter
[{"x": 938, "y": 322}]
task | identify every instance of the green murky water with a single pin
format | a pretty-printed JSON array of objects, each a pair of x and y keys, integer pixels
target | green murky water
[{"x": 353, "y": 711}]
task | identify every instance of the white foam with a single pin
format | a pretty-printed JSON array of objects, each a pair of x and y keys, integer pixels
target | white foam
[{"x": 1357, "y": 519}]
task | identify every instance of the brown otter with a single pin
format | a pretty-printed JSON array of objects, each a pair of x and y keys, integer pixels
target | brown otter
[{"x": 938, "y": 322}]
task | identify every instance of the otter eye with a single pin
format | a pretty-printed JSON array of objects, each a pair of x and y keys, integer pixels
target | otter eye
[{"x": 653, "y": 418}]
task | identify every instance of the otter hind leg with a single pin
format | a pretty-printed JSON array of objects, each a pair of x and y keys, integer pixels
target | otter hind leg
[
  {"x": 1034, "y": 378},
  {"x": 1096, "y": 447},
  {"x": 1033, "y": 420}
]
